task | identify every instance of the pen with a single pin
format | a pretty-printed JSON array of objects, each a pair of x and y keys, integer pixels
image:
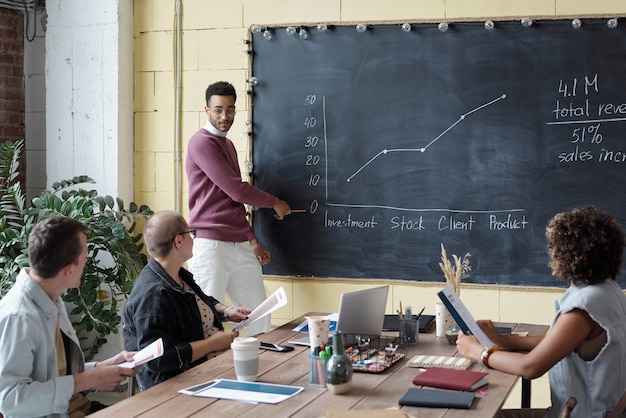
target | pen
[
  {"x": 375, "y": 361},
  {"x": 420, "y": 314},
  {"x": 314, "y": 367},
  {"x": 320, "y": 371}
]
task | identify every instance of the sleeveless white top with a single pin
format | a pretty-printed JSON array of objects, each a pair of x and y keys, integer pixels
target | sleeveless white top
[{"x": 597, "y": 384}]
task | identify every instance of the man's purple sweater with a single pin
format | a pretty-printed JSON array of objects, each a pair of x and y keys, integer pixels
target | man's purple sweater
[{"x": 217, "y": 193}]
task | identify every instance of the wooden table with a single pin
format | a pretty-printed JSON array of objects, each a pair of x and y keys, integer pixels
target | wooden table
[{"x": 369, "y": 391}]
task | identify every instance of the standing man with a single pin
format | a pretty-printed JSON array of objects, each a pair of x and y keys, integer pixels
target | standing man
[
  {"x": 227, "y": 257},
  {"x": 43, "y": 371}
]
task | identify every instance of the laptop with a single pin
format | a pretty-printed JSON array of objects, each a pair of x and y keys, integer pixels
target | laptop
[{"x": 361, "y": 312}]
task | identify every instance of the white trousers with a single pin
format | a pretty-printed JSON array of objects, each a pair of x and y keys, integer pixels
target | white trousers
[{"x": 230, "y": 268}]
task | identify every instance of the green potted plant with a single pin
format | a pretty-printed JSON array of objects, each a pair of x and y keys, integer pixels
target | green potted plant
[{"x": 114, "y": 257}]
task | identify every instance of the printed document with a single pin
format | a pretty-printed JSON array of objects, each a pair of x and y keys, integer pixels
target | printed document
[
  {"x": 462, "y": 316},
  {"x": 238, "y": 390},
  {"x": 278, "y": 299},
  {"x": 149, "y": 352}
]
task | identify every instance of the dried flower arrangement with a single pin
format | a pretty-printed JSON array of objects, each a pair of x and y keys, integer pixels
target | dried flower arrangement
[{"x": 457, "y": 272}]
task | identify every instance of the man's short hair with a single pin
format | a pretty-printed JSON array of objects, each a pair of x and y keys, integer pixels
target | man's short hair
[
  {"x": 53, "y": 244},
  {"x": 160, "y": 231},
  {"x": 220, "y": 88}
]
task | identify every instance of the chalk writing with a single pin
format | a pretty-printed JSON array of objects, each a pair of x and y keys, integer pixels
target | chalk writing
[
  {"x": 349, "y": 222},
  {"x": 586, "y": 138},
  {"x": 399, "y": 222}
]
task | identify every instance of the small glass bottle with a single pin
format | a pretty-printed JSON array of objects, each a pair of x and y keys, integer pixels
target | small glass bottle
[{"x": 338, "y": 367}]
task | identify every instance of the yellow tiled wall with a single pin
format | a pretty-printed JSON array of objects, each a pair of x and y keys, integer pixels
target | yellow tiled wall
[{"x": 211, "y": 34}]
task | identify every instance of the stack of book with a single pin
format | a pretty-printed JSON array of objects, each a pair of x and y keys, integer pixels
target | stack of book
[
  {"x": 463, "y": 380},
  {"x": 454, "y": 388}
]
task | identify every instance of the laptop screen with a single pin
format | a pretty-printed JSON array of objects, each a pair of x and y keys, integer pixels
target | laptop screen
[{"x": 363, "y": 312}]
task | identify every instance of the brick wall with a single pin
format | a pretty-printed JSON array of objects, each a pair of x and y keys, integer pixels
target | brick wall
[{"x": 12, "y": 77}]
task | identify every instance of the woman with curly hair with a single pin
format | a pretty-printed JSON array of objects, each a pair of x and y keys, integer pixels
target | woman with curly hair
[{"x": 584, "y": 352}]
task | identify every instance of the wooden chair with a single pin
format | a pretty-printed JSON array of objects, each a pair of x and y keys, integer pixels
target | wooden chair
[
  {"x": 568, "y": 406},
  {"x": 133, "y": 386},
  {"x": 619, "y": 407}
]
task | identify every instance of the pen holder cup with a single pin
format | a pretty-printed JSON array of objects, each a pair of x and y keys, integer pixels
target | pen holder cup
[
  {"x": 409, "y": 331},
  {"x": 317, "y": 371}
]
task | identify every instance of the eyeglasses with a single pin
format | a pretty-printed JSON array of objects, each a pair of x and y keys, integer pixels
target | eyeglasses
[
  {"x": 191, "y": 232},
  {"x": 219, "y": 112}
]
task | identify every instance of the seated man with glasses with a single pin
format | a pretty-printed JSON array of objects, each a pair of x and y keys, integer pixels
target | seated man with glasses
[{"x": 167, "y": 303}]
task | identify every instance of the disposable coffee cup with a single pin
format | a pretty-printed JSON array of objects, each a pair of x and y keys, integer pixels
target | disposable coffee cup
[
  {"x": 246, "y": 358},
  {"x": 318, "y": 330},
  {"x": 443, "y": 320}
]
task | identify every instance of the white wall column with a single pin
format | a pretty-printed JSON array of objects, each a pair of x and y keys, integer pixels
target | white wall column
[
  {"x": 89, "y": 100},
  {"x": 89, "y": 93}
]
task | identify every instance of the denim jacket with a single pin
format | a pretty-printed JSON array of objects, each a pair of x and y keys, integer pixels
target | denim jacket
[{"x": 159, "y": 308}]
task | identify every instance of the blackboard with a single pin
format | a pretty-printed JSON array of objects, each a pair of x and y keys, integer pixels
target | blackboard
[{"x": 396, "y": 142}]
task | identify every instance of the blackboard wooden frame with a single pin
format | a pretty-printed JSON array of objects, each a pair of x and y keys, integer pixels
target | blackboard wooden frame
[{"x": 394, "y": 142}]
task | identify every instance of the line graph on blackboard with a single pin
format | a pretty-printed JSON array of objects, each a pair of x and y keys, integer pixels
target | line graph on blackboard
[
  {"x": 353, "y": 178},
  {"x": 423, "y": 149}
]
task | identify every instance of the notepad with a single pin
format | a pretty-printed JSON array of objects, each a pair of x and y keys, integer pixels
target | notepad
[
  {"x": 443, "y": 378},
  {"x": 425, "y": 361},
  {"x": 437, "y": 398}
]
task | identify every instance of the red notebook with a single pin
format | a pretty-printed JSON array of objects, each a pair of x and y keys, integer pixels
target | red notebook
[{"x": 456, "y": 379}]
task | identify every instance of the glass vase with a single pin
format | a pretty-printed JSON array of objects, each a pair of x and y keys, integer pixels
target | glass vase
[{"x": 338, "y": 367}]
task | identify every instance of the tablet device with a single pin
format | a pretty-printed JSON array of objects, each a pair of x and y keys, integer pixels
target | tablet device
[{"x": 392, "y": 322}]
